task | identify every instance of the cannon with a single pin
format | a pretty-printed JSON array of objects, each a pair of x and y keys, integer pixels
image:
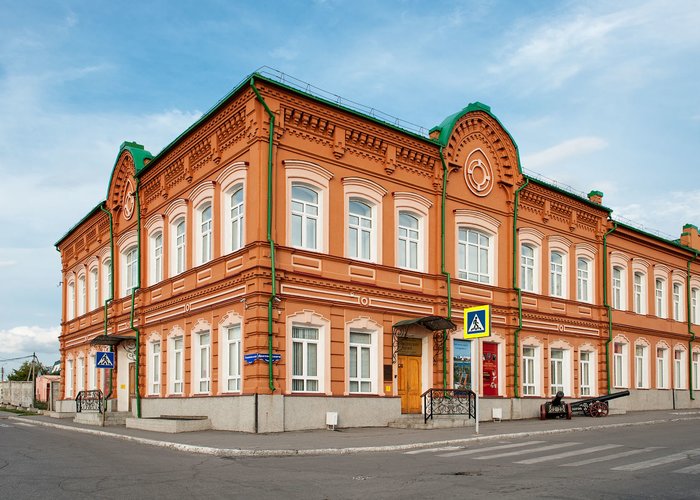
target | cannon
[
  {"x": 598, "y": 406},
  {"x": 556, "y": 408}
]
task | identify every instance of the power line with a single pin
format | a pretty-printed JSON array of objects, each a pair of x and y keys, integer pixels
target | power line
[{"x": 16, "y": 359}]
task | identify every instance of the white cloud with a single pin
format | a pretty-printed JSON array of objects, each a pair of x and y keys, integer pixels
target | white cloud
[
  {"x": 578, "y": 146},
  {"x": 7, "y": 263},
  {"x": 24, "y": 340}
]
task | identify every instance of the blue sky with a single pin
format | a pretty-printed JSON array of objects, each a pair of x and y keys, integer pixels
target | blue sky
[{"x": 598, "y": 95}]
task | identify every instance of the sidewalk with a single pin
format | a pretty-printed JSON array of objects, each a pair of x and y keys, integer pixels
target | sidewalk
[{"x": 359, "y": 440}]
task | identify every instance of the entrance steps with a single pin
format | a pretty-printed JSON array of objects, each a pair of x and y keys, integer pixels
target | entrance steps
[
  {"x": 437, "y": 422},
  {"x": 111, "y": 418}
]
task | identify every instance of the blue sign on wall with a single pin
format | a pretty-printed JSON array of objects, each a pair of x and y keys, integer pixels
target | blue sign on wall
[
  {"x": 264, "y": 357},
  {"x": 104, "y": 360}
]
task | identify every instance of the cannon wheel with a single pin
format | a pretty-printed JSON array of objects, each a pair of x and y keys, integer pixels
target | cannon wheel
[
  {"x": 543, "y": 412},
  {"x": 568, "y": 411},
  {"x": 599, "y": 409}
]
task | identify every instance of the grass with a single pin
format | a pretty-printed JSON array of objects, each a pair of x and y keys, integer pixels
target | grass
[{"x": 17, "y": 412}]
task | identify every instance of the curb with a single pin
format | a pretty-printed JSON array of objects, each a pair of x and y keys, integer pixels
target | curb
[{"x": 239, "y": 452}]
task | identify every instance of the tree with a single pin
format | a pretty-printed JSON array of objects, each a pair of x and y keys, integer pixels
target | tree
[{"x": 25, "y": 370}]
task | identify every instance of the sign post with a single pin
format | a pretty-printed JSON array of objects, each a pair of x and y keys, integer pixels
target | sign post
[{"x": 477, "y": 324}]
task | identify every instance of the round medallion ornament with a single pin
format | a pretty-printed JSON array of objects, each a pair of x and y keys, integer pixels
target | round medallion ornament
[
  {"x": 129, "y": 201},
  {"x": 478, "y": 173}
]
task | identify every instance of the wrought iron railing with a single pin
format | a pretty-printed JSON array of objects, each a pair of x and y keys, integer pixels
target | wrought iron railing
[
  {"x": 449, "y": 402},
  {"x": 90, "y": 401}
]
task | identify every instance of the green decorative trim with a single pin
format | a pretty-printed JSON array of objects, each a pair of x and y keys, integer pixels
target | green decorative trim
[
  {"x": 588, "y": 202},
  {"x": 690, "y": 226},
  {"x": 595, "y": 193}
]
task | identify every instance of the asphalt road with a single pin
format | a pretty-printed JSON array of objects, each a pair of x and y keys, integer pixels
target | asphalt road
[{"x": 654, "y": 461}]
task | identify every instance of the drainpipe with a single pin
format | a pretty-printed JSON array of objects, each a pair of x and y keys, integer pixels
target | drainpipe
[
  {"x": 516, "y": 334},
  {"x": 690, "y": 328},
  {"x": 111, "y": 291},
  {"x": 133, "y": 297},
  {"x": 442, "y": 268},
  {"x": 273, "y": 295},
  {"x": 607, "y": 306}
]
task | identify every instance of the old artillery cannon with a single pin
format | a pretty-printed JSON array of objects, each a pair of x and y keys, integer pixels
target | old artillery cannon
[
  {"x": 592, "y": 407},
  {"x": 598, "y": 406},
  {"x": 556, "y": 408}
]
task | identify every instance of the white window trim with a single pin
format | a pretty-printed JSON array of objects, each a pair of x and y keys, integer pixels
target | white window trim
[
  {"x": 82, "y": 294},
  {"x": 680, "y": 368},
  {"x": 642, "y": 309},
  {"x": 592, "y": 371},
  {"x": 624, "y": 380},
  {"x": 538, "y": 368},
  {"x": 696, "y": 369},
  {"x": 678, "y": 305},
  {"x": 175, "y": 213},
  {"x": 532, "y": 238},
  {"x": 106, "y": 279},
  {"x": 204, "y": 244},
  {"x": 662, "y": 364},
  {"x": 155, "y": 268},
  {"x": 562, "y": 246},
  {"x": 92, "y": 370},
  {"x": 471, "y": 219},
  {"x": 376, "y": 331},
  {"x": 201, "y": 328},
  {"x": 371, "y": 194},
  {"x": 567, "y": 367},
  {"x": 373, "y": 234},
  {"x": 230, "y": 320},
  {"x": 68, "y": 381},
  {"x": 695, "y": 303},
  {"x": 310, "y": 319},
  {"x": 644, "y": 365},
  {"x": 175, "y": 333},
  {"x": 80, "y": 373},
  {"x": 232, "y": 178},
  {"x": 587, "y": 252},
  {"x": 418, "y": 206},
  {"x": 94, "y": 287},
  {"x": 70, "y": 300},
  {"x": 154, "y": 366}
]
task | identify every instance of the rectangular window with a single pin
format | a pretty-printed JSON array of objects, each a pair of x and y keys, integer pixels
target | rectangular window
[
  {"x": 640, "y": 366},
  {"x": 677, "y": 307},
  {"x": 236, "y": 215},
  {"x": 178, "y": 368},
  {"x": 132, "y": 270},
  {"x": 82, "y": 294},
  {"x": 527, "y": 268},
  {"x": 305, "y": 217},
  {"x": 205, "y": 235},
  {"x": 94, "y": 289},
  {"x": 694, "y": 305},
  {"x": 155, "y": 368},
  {"x": 179, "y": 253},
  {"x": 409, "y": 240},
  {"x": 583, "y": 282},
  {"x": 232, "y": 351},
  {"x": 556, "y": 372},
  {"x": 678, "y": 372},
  {"x": 473, "y": 252},
  {"x": 660, "y": 293},
  {"x": 639, "y": 304},
  {"x": 462, "y": 364},
  {"x": 70, "y": 301},
  {"x": 617, "y": 288},
  {"x": 80, "y": 375},
  {"x": 204, "y": 356},
  {"x": 696, "y": 370},
  {"x": 107, "y": 280},
  {"x": 360, "y": 362},
  {"x": 92, "y": 373},
  {"x": 529, "y": 371},
  {"x": 660, "y": 368},
  {"x": 305, "y": 359},
  {"x": 586, "y": 369},
  {"x": 360, "y": 230},
  {"x": 556, "y": 274},
  {"x": 69, "y": 378},
  {"x": 619, "y": 378},
  {"x": 157, "y": 260}
]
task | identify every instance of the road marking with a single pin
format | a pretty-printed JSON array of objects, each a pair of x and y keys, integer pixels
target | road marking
[
  {"x": 524, "y": 452},
  {"x": 658, "y": 461},
  {"x": 431, "y": 450},
  {"x": 490, "y": 448},
  {"x": 693, "y": 469},
  {"x": 568, "y": 454},
  {"x": 611, "y": 457},
  {"x": 25, "y": 425},
  {"x": 5, "y": 425}
]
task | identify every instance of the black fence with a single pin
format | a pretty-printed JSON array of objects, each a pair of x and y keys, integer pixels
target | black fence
[
  {"x": 90, "y": 401},
  {"x": 449, "y": 402}
]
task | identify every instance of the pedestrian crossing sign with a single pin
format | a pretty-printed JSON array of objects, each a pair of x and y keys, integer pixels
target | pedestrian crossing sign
[
  {"x": 104, "y": 360},
  {"x": 477, "y": 322}
]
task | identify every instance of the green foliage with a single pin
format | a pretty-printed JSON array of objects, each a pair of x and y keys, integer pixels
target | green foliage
[{"x": 24, "y": 371}]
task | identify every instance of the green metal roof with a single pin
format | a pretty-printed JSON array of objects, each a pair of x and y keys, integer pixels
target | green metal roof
[
  {"x": 535, "y": 180},
  {"x": 90, "y": 214}
]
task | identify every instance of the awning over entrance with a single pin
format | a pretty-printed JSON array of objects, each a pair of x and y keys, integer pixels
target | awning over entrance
[
  {"x": 110, "y": 339},
  {"x": 436, "y": 324}
]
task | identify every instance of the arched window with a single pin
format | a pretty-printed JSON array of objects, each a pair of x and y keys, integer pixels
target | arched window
[
  {"x": 107, "y": 279},
  {"x": 179, "y": 247},
  {"x": 94, "y": 288},
  {"x": 82, "y": 295},
  {"x": 360, "y": 230},
  {"x": 583, "y": 279},
  {"x": 409, "y": 240},
  {"x": 678, "y": 302},
  {"x": 474, "y": 249},
  {"x": 236, "y": 219},
  {"x": 694, "y": 304},
  {"x": 527, "y": 268},
  {"x": 305, "y": 217},
  {"x": 660, "y": 296},
  {"x": 640, "y": 301},
  {"x": 617, "y": 286},
  {"x": 557, "y": 273},
  {"x": 132, "y": 270},
  {"x": 70, "y": 301},
  {"x": 156, "y": 257},
  {"x": 205, "y": 231}
]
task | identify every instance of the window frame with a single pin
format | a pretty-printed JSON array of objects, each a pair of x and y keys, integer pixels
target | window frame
[
  {"x": 94, "y": 286},
  {"x": 305, "y": 216},
  {"x": 367, "y": 351},
  {"x": 621, "y": 364},
  {"x": 156, "y": 241},
  {"x": 176, "y": 385},
  {"x": 662, "y": 366},
  {"x": 226, "y": 375},
  {"x": 679, "y": 364},
  {"x": 584, "y": 283},
  {"x": 406, "y": 240},
  {"x": 531, "y": 367},
  {"x": 70, "y": 300},
  {"x": 528, "y": 267},
  {"x": 463, "y": 251},
  {"x": 358, "y": 251},
  {"x": 559, "y": 274},
  {"x": 82, "y": 294},
  {"x": 205, "y": 233},
  {"x": 660, "y": 297},
  {"x": 235, "y": 223},
  {"x": 677, "y": 290},
  {"x": 587, "y": 384},
  {"x": 641, "y": 366},
  {"x": 201, "y": 361},
  {"x": 178, "y": 246},
  {"x": 154, "y": 366},
  {"x": 640, "y": 292},
  {"x": 131, "y": 269},
  {"x": 68, "y": 380}
]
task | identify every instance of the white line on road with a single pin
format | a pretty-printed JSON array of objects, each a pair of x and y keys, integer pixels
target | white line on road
[
  {"x": 568, "y": 454},
  {"x": 530, "y": 450},
  {"x": 431, "y": 450},
  {"x": 611, "y": 457},
  {"x": 490, "y": 448},
  {"x": 658, "y": 461},
  {"x": 693, "y": 469},
  {"x": 25, "y": 425},
  {"x": 5, "y": 425}
]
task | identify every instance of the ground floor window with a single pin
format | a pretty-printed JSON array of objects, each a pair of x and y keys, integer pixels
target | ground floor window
[
  {"x": 232, "y": 358},
  {"x": 678, "y": 369},
  {"x": 661, "y": 368},
  {"x": 556, "y": 372},
  {"x": 461, "y": 364},
  {"x": 696, "y": 370},
  {"x": 586, "y": 372},
  {"x": 305, "y": 350},
  {"x": 641, "y": 363},
  {"x": 69, "y": 378},
  {"x": 154, "y": 369},
  {"x": 620, "y": 364},
  {"x": 360, "y": 362},
  {"x": 530, "y": 370},
  {"x": 177, "y": 366}
]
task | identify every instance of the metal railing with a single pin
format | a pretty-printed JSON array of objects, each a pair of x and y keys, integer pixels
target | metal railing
[
  {"x": 90, "y": 401},
  {"x": 449, "y": 402}
]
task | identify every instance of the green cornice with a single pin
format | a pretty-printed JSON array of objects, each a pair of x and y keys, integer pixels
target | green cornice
[
  {"x": 596, "y": 193},
  {"x": 138, "y": 153},
  {"x": 70, "y": 231},
  {"x": 588, "y": 202}
]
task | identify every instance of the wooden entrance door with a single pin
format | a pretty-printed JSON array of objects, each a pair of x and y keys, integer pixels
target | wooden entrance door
[
  {"x": 490, "y": 368},
  {"x": 410, "y": 383},
  {"x": 132, "y": 382}
]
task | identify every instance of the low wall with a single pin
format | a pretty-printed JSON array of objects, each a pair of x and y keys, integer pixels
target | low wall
[{"x": 17, "y": 393}]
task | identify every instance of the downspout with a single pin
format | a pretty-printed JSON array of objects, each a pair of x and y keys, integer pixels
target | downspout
[
  {"x": 690, "y": 328},
  {"x": 516, "y": 334},
  {"x": 111, "y": 291},
  {"x": 133, "y": 297},
  {"x": 607, "y": 306},
  {"x": 442, "y": 268},
  {"x": 273, "y": 295}
]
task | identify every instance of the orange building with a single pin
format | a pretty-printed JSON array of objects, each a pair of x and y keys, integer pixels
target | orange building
[{"x": 285, "y": 227}]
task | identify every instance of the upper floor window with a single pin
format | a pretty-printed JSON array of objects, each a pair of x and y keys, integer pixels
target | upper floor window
[
  {"x": 557, "y": 274},
  {"x": 409, "y": 241},
  {"x": 70, "y": 301},
  {"x": 305, "y": 217},
  {"x": 179, "y": 247},
  {"x": 694, "y": 303},
  {"x": 132, "y": 270},
  {"x": 205, "y": 231},
  {"x": 677, "y": 302},
  {"x": 660, "y": 295},
  {"x": 107, "y": 279},
  {"x": 360, "y": 230},
  {"x": 236, "y": 219},
  {"x": 156, "y": 257},
  {"x": 82, "y": 295},
  {"x": 94, "y": 288},
  {"x": 474, "y": 250},
  {"x": 617, "y": 288},
  {"x": 583, "y": 280},
  {"x": 527, "y": 268},
  {"x": 640, "y": 293}
]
